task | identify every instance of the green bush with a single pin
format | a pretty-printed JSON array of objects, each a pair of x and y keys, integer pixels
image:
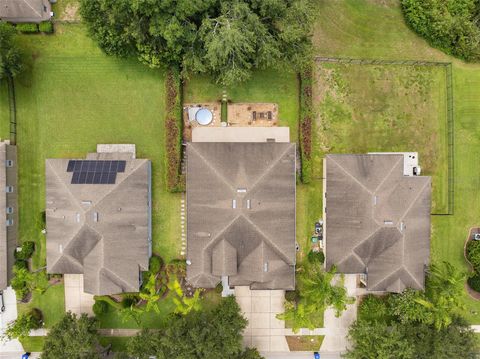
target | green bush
[
  {"x": 316, "y": 257},
  {"x": 473, "y": 254},
  {"x": 46, "y": 27},
  {"x": 100, "y": 307},
  {"x": 292, "y": 296},
  {"x": 27, "y": 251},
  {"x": 373, "y": 309},
  {"x": 449, "y": 25},
  {"x": 21, "y": 264},
  {"x": 155, "y": 264},
  {"x": 219, "y": 288},
  {"x": 128, "y": 300},
  {"x": 474, "y": 282},
  {"x": 27, "y": 28},
  {"x": 173, "y": 129}
]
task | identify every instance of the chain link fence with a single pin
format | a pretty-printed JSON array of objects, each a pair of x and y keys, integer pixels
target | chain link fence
[{"x": 449, "y": 106}]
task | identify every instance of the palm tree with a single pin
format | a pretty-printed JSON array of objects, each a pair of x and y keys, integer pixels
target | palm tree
[{"x": 151, "y": 295}]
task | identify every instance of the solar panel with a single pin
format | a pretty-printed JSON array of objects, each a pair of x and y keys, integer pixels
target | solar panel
[
  {"x": 75, "y": 177},
  {"x": 121, "y": 166},
  {"x": 95, "y": 172},
  {"x": 71, "y": 165},
  {"x": 90, "y": 177}
]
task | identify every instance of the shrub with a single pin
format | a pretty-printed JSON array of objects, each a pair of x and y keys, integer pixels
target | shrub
[
  {"x": 474, "y": 282},
  {"x": 128, "y": 300},
  {"x": 316, "y": 257},
  {"x": 22, "y": 282},
  {"x": 46, "y": 27},
  {"x": 292, "y": 296},
  {"x": 373, "y": 309},
  {"x": 20, "y": 328},
  {"x": 219, "y": 288},
  {"x": 155, "y": 264},
  {"x": 306, "y": 113},
  {"x": 100, "y": 307},
  {"x": 173, "y": 129},
  {"x": 27, "y": 28},
  {"x": 448, "y": 25},
  {"x": 26, "y": 252},
  {"x": 21, "y": 264},
  {"x": 473, "y": 254}
]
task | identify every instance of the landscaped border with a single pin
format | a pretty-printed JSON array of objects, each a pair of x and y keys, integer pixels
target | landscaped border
[
  {"x": 471, "y": 292},
  {"x": 449, "y": 105}
]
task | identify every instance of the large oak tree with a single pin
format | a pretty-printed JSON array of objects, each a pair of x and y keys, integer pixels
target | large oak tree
[{"x": 227, "y": 39}]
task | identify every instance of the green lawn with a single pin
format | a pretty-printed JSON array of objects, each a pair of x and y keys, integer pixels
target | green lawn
[
  {"x": 279, "y": 87},
  {"x": 51, "y": 303},
  {"x": 4, "y": 111},
  {"x": 346, "y": 28},
  {"x": 119, "y": 344},
  {"x": 72, "y": 97},
  {"x": 33, "y": 344},
  {"x": 386, "y": 108}
]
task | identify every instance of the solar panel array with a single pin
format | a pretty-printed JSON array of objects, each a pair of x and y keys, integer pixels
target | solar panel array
[{"x": 95, "y": 172}]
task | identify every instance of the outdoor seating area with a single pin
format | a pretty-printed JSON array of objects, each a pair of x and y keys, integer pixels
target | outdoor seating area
[{"x": 253, "y": 114}]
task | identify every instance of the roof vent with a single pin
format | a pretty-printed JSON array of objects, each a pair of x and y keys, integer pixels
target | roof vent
[
  {"x": 77, "y": 217},
  {"x": 388, "y": 222},
  {"x": 249, "y": 204},
  {"x": 375, "y": 198},
  {"x": 87, "y": 202},
  {"x": 189, "y": 262},
  {"x": 241, "y": 190},
  {"x": 402, "y": 226},
  {"x": 265, "y": 267},
  {"x": 234, "y": 203},
  {"x": 95, "y": 216}
]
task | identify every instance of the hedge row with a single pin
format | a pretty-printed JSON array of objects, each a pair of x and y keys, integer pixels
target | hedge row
[
  {"x": 173, "y": 131},
  {"x": 306, "y": 114},
  {"x": 30, "y": 28}
]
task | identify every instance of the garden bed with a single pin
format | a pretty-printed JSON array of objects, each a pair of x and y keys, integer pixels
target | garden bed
[{"x": 304, "y": 343}]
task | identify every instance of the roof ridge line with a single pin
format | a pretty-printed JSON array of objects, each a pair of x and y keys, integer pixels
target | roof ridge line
[
  {"x": 269, "y": 242},
  {"x": 111, "y": 274},
  {"x": 351, "y": 176},
  {"x": 271, "y": 166},
  {"x": 116, "y": 185},
  {"x": 35, "y": 11},
  {"x": 414, "y": 201},
  {"x": 373, "y": 233},
  {"x": 214, "y": 170},
  {"x": 66, "y": 187},
  {"x": 388, "y": 174},
  {"x": 384, "y": 278}
]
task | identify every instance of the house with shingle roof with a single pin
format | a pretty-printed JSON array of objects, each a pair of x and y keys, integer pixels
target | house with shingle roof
[
  {"x": 19, "y": 11},
  {"x": 8, "y": 211},
  {"x": 98, "y": 213},
  {"x": 241, "y": 213},
  {"x": 377, "y": 219}
]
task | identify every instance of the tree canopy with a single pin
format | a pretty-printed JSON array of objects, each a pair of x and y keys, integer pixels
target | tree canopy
[
  {"x": 10, "y": 61},
  {"x": 72, "y": 337},
  {"x": 452, "y": 26},
  {"x": 415, "y": 324},
  {"x": 227, "y": 39},
  {"x": 199, "y": 334}
]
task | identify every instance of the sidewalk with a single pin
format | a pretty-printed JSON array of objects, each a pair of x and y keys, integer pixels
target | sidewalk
[{"x": 10, "y": 314}]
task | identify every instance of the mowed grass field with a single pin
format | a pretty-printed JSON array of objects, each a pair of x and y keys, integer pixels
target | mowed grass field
[
  {"x": 375, "y": 29},
  {"x": 386, "y": 108},
  {"x": 72, "y": 97}
]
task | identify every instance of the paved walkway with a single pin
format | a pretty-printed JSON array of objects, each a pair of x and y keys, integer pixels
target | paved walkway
[
  {"x": 336, "y": 329},
  {"x": 260, "y": 307},
  {"x": 10, "y": 314},
  {"x": 118, "y": 332},
  {"x": 76, "y": 300}
]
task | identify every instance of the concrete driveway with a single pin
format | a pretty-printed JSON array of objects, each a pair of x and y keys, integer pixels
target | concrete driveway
[
  {"x": 76, "y": 301},
  {"x": 12, "y": 347},
  {"x": 264, "y": 331}
]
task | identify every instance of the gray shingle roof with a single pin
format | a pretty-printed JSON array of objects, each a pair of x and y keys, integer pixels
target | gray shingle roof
[
  {"x": 377, "y": 220},
  {"x": 102, "y": 231},
  {"x": 254, "y": 243},
  {"x": 8, "y": 234},
  {"x": 18, "y": 11}
]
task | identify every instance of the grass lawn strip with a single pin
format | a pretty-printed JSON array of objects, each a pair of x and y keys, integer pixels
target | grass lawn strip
[
  {"x": 344, "y": 29},
  {"x": 304, "y": 343},
  {"x": 4, "y": 111}
]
